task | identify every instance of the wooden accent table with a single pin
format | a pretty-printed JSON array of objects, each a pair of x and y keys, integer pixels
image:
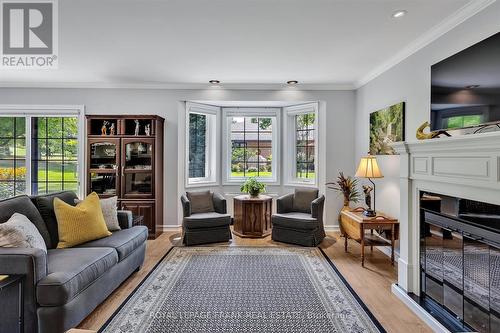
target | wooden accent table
[
  {"x": 252, "y": 216},
  {"x": 353, "y": 224}
]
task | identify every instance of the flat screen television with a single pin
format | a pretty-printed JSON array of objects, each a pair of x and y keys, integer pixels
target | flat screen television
[{"x": 466, "y": 87}]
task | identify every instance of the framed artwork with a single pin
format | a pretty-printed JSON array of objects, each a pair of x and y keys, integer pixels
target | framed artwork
[{"x": 386, "y": 126}]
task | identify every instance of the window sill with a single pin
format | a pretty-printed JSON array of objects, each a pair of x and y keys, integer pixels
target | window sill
[
  {"x": 202, "y": 184},
  {"x": 300, "y": 184}
]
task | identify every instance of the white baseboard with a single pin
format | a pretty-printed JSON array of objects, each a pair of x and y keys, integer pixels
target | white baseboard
[
  {"x": 166, "y": 228},
  {"x": 418, "y": 310},
  {"x": 332, "y": 228}
]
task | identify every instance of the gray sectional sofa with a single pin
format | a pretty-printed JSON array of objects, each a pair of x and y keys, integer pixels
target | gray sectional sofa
[{"x": 65, "y": 285}]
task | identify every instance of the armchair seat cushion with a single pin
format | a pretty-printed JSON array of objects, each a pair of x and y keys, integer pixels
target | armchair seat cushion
[
  {"x": 295, "y": 220},
  {"x": 207, "y": 220},
  {"x": 70, "y": 271},
  {"x": 124, "y": 241}
]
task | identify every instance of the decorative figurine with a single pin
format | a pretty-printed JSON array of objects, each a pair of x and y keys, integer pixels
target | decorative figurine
[
  {"x": 147, "y": 129},
  {"x": 424, "y": 136},
  {"x": 136, "y": 132},
  {"x": 112, "y": 129},
  {"x": 104, "y": 129},
  {"x": 367, "y": 189}
]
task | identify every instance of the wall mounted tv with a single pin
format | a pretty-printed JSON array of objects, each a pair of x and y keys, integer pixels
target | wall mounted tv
[{"x": 466, "y": 87}]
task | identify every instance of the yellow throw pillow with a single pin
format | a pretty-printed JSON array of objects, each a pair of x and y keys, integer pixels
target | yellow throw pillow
[{"x": 80, "y": 224}]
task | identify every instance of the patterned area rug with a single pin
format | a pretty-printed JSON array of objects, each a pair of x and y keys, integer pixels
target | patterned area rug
[{"x": 243, "y": 289}]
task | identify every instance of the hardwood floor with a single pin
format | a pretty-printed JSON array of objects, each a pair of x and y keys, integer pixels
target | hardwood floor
[{"x": 372, "y": 283}]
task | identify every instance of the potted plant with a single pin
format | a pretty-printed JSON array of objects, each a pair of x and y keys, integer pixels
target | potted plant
[
  {"x": 253, "y": 187},
  {"x": 348, "y": 187}
]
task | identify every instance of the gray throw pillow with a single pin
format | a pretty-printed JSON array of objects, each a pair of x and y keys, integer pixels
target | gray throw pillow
[
  {"x": 201, "y": 201},
  {"x": 19, "y": 231},
  {"x": 302, "y": 199},
  {"x": 109, "y": 211}
]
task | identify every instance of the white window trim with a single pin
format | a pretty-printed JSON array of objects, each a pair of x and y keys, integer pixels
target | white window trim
[
  {"x": 289, "y": 154},
  {"x": 226, "y": 144},
  {"x": 212, "y": 150},
  {"x": 29, "y": 111}
]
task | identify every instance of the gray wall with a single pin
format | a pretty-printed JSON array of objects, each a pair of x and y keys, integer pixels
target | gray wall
[
  {"x": 340, "y": 107},
  {"x": 410, "y": 81}
]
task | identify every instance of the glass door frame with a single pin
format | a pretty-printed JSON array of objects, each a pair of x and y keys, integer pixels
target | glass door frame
[
  {"x": 124, "y": 171},
  {"x": 117, "y": 143},
  {"x": 34, "y": 111}
]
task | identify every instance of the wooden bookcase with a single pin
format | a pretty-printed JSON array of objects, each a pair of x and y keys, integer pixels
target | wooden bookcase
[{"x": 128, "y": 164}]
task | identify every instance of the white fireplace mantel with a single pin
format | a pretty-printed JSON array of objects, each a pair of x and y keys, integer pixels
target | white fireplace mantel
[{"x": 466, "y": 166}]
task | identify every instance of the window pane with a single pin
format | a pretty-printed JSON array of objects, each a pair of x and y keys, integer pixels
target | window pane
[
  {"x": 20, "y": 170},
  {"x": 70, "y": 127},
  {"x": 6, "y": 170},
  {"x": 7, "y": 149},
  {"x": 197, "y": 145},
  {"x": 54, "y": 154},
  {"x": 70, "y": 149},
  {"x": 70, "y": 172},
  {"x": 251, "y": 146},
  {"x": 54, "y": 171},
  {"x": 305, "y": 146},
  {"x": 6, "y": 189}
]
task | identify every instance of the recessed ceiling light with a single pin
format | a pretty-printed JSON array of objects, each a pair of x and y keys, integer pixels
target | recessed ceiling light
[
  {"x": 399, "y": 13},
  {"x": 214, "y": 81},
  {"x": 292, "y": 82},
  {"x": 472, "y": 86}
]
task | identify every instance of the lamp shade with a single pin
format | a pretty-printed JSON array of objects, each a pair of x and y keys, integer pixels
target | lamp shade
[{"x": 368, "y": 168}]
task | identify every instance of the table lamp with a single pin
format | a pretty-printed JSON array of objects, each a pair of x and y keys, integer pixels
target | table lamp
[{"x": 368, "y": 168}]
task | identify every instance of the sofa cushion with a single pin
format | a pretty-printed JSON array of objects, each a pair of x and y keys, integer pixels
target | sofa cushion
[
  {"x": 207, "y": 220},
  {"x": 45, "y": 205},
  {"x": 124, "y": 241},
  {"x": 295, "y": 221},
  {"x": 201, "y": 201},
  {"x": 302, "y": 199},
  {"x": 18, "y": 231},
  {"x": 80, "y": 224},
  {"x": 70, "y": 271},
  {"x": 23, "y": 205}
]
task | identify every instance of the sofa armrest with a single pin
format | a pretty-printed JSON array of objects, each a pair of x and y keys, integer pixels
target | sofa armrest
[
  {"x": 284, "y": 204},
  {"x": 317, "y": 206},
  {"x": 23, "y": 261},
  {"x": 220, "y": 204},
  {"x": 125, "y": 219},
  {"x": 32, "y": 264},
  {"x": 186, "y": 206}
]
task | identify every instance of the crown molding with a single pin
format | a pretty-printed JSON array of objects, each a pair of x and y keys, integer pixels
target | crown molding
[
  {"x": 178, "y": 86},
  {"x": 460, "y": 16}
]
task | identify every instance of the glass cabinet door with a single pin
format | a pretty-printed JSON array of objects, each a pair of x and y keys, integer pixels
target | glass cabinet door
[
  {"x": 104, "y": 155},
  {"x": 104, "y": 164},
  {"x": 137, "y": 168}
]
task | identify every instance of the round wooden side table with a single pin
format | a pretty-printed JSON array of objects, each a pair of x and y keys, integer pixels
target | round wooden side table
[{"x": 252, "y": 216}]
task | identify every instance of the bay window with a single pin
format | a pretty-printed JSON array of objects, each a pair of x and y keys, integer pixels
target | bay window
[
  {"x": 251, "y": 140},
  {"x": 301, "y": 151},
  {"x": 201, "y": 139}
]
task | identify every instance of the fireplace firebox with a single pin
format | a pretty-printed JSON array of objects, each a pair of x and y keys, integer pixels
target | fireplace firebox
[{"x": 460, "y": 262}]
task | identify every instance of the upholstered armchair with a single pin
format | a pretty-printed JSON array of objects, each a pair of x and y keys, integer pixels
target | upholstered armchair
[
  {"x": 205, "y": 218},
  {"x": 299, "y": 218}
]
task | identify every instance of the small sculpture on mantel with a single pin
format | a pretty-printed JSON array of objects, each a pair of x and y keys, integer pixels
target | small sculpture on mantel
[
  {"x": 147, "y": 129},
  {"x": 424, "y": 136},
  {"x": 136, "y": 132},
  {"x": 104, "y": 129},
  {"x": 112, "y": 129}
]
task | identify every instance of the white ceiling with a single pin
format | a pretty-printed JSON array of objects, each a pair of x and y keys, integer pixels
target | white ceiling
[{"x": 246, "y": 42}]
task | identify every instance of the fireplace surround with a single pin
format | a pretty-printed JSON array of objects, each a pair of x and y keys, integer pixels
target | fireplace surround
[{"x": 465, "y": 167}]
